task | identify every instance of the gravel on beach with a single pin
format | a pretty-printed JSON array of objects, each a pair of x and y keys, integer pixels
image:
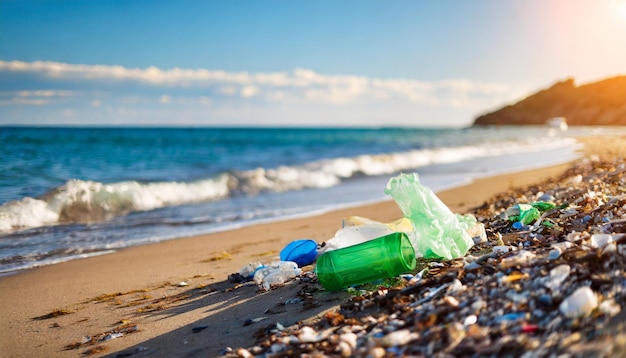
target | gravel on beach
[{"x": 554, "y": 286}]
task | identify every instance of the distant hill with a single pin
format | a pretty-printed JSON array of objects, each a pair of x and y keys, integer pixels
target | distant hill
[{"x": 597, "y": 103}]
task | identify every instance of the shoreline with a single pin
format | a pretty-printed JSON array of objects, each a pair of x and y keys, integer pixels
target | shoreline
[
  {"x": 301, "y": 215},
  {"x": 45, "y": 309}
]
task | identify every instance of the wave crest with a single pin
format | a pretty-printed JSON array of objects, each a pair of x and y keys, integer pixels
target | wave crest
[{"x": 89, "y": 201}]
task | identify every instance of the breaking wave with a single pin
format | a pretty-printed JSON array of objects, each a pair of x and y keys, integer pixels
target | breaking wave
[{"x": 84, "y": 201}]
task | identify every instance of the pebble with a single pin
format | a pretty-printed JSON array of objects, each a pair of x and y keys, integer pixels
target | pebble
[{"x": 554, "y": 297}]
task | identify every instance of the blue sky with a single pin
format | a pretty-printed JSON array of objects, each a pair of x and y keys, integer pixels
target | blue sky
[{"x": 363, "y": 63}]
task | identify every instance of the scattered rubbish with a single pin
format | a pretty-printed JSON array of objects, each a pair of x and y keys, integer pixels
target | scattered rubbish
[
  {"x": 396, "y": 338},
  {"x": 580, "y": 303},
  {"x": 182, "y": 284},
  {"x": 551, "y": 290},
  {"x": 554, "y": 254},
  {"x": 501, "y": 249},
  {"x": 470, "y": 320},
  {"x": 514, "y": 316},
  {"x": 248, "y": 270},
  {"x": 525, "y": 214},
  {"x": 610, "y": 308},
  {"x": 111, "y": 336},
  {"x": 516, "y": 276},
  {"x": 557, "y": 276},
  {"x": 354, "y": 235},
  {"x": 302, "y": 252},
  {"x": 293, "y": 301},
  {"x": 437, "y": 232},
  {"x": 253, "y": 320},
  {"x": 276, "y": 274},
  {"x": 384, "y": 257},
  {"x": 529, "y": 328},
  {"x": 522, "y": 258},
  {"x": 197, "y": 329}
]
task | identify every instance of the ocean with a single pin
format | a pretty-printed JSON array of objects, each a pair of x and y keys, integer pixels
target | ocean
[{"x": 67, "y": 193}]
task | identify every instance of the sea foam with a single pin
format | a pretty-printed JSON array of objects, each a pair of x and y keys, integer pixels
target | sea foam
[{"x": 83, "y": 201}]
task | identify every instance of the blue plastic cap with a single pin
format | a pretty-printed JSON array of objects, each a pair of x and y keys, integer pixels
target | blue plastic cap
[{"x": 302, "y": 252}]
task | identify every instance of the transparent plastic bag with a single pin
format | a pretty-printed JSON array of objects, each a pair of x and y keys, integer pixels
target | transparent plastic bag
[{"x": 437, "y": 233}]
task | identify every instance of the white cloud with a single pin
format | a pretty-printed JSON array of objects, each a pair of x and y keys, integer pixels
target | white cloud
[
  {"x": 165, "y": 99},
  {"x": 301, "y": 84},
  {"x": 100, "y": 92},
  {"x": 249, "y": 91},
  {"x": 45, "y": 93}
]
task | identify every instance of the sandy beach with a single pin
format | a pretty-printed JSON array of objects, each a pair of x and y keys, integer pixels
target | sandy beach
[{"x": 173, "y": 298}]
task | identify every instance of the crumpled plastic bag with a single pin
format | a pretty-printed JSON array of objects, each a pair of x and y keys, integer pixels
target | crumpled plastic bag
[{"x": 437, "y": 233}]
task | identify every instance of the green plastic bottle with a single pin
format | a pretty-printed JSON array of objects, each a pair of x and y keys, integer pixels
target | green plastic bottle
[{"x": 384, "y": 257}]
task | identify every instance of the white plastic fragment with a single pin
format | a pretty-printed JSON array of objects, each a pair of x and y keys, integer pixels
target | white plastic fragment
[
  {"x": 598, "y": 241},
  {"x": 609, "y": 308},
  {"x": 470, "y": 320},
  {"x": 554, "y": 254},
  {"x": 580, "y": 303},
  {"x": 557, "y": 276},
  {"x": 349, "y": 338},
  {"x": 276, "y": 273},
  {"x": 522, "y": 258},
  {"x": 562, "y": 245},
  {"x": 307, "y": 335},
  {"x": 398, "y": 338},
  {"x": 502, "y": 249},
  {"x": 574, "y": 236}
]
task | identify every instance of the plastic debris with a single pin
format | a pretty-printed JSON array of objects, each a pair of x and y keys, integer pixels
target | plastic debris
[
  {"x": 197, "y": 329},
  {"x": 557, "y": 276},
  {"x": 247, "y": 271},
  {"x": 580, "y": 303},
  {"x": 516, "y": 276},
  {"x": 470, "y": 320},
  {"x": 354, "y": 235},
  {"x": 522, "y": 258},
  {"x": 253, "y": 320},
  {"x": 400, "y": 225},
  {"x": 514, "y": 316},
  {"x": 437, "y": 231},
  {"x": 525, "y": 214},
  {"x": 276, "y": 274},
  {"x": 302, "y": 252},
  {"x": 387, "y": 256},
  {"x": 397, "y": 338}
]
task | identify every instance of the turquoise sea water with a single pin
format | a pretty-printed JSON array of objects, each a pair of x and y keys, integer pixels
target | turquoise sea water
[{"x": 72, "y": 192}]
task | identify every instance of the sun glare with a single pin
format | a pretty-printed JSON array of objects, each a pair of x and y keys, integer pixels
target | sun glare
[{"x": 621, "y": 9}]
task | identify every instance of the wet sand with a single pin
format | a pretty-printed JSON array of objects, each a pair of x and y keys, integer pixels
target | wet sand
[{"x": 173, "y": 298}]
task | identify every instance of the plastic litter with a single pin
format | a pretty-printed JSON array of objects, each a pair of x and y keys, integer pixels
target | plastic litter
[
  {"x": 247, "y": 271},
  {"x": 526, "y": 214},
  {"x": 275, "y": 274},
  {"x": 400, "y": 225},
  {"x": 557, "y": 276},
  {"x": 580, "y": 303},
  {"x": 354, "y": 235},
  {"x": 384, "y": 257},
  {"x": 302, "y": 252},
  {"x": 514, "y": 316},
  {"x": 522, "y": 258},
  {"x": 437, "y": 232}
]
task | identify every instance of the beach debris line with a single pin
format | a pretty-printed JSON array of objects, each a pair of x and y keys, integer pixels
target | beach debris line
[
  {"x": 364, "y": 250},
  {"x": 126, "y": 327},
  {"x": 519, "y": 299}
]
